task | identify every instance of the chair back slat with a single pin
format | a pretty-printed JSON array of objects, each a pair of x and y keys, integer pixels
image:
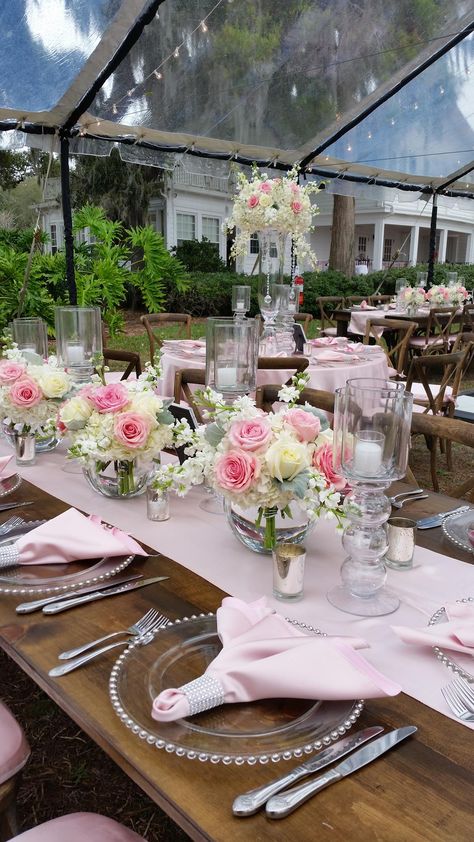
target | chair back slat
[
  {"x": 327, "y": 305},
  {"x": 184, "y": 378},
  {"x": 159, "y": 319},
  {"x": 395, "y": 344},
  {"x": 453, "y": 366}
]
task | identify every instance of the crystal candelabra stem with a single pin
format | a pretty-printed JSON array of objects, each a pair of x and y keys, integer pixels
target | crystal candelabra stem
[{"x": 363, "y": 573}]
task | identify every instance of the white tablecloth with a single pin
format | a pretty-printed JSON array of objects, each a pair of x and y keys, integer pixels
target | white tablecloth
[{"x": 204, "y": 543}]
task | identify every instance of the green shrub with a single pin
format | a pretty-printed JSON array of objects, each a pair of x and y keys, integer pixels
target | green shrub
[{"x": 200, "y": 256}]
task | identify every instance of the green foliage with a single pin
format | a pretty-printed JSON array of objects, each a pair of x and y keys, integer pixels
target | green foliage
[
  {"x": 200, "y": 256},
  {"x": 38, "y": 299},
  {"x": 19, "y": 239}
]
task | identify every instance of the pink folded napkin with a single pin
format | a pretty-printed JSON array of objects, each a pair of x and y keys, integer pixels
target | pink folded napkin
[
  {"x": 457, "y": 634},
  {"x": 6, "y": 472},
  {"x": 470, "y": 535},
  {"x": 332, "y": 356},
  {"x": 70, "y": 536},
  {"x": 323, "y": 341},
  {"x": 265, "y": 657}
]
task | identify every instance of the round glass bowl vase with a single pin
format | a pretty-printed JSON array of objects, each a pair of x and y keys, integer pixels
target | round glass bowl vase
[
  {"x": 44, "y": 441},
  {"x": 120, "y": 479},
  {"x": 290, "y": 530}
]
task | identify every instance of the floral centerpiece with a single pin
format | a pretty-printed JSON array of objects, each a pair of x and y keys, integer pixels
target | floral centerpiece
[
  {"x": 443, "y": 296},
  {"x": 117, "y": 432},
  {"x": 30, "y": 395},
  {"x": 275, "y": 204},
  {"x": 413, "y": 297},
  {"x": 262, "y": 462}
]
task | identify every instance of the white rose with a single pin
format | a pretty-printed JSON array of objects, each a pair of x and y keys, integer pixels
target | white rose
[
  {"x": 75, "y": 413},
  {"x": 325, "y": 437},
  {"x": 147, "y": 402},
  {"x": 265, "y": 200},
  {"x": 286, "y": 458},
  {"x": 54, "y": 383}
]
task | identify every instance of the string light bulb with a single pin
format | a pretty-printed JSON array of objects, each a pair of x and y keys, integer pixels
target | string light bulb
[
  {"x": 114, "y": 109},
  {"x": 157, "y": 74},
  {"x": 176, "y": 52},
  {"x": 203, "y": 26}
]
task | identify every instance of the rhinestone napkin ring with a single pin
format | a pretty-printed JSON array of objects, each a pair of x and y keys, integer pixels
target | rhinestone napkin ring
[
  {"x": 203, "y": 693},
  {"x": 8, "y": 556}
]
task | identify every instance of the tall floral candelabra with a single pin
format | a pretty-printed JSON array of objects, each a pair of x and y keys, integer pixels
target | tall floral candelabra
[
  {"x": 372, "y": 435},
  {"x": 276, "y": 209},
  {"x": 265, "y": 467}
]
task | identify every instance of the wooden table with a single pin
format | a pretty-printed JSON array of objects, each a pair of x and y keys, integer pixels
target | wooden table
[{"x": 422, "y": 790}]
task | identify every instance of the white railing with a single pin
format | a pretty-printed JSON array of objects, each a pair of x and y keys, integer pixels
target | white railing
[{"x": 205, "y": 182}]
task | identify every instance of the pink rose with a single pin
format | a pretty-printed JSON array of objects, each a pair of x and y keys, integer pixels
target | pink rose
[
  {"x": 306, "y": 425},
  {"x": 266, "y": 187},
  {"x": 296, "y": 206},
  {"x": 295, "y": 189},
  {"x": 446, "y": 295},
  {"x": 323, "y": 461},
  {"x": 110, "y": 398},
  {"x": 10, "y": 371},
  {"x": 253, "y": 201},
  {"x": 25, "y": 393},
  {"x": 132, "y": 429},
  {"x": 250, "y": 435},
  {"x": 236, "y": 470}
]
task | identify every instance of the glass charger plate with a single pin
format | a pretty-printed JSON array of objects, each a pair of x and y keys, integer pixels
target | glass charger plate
[
  {"x": 456, "y": 528},
  {"x": 54, "y": 578},
  {"x": 268, "y": 730},
  {"x": 463, "y": 663},
  {"x": 9, "y": 484}
]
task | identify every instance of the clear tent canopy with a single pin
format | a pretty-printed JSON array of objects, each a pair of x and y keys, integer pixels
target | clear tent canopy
[{"x": 372, "y": 92}]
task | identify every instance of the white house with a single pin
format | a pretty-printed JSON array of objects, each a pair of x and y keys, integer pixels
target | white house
[{"x": 392, "y": 231}]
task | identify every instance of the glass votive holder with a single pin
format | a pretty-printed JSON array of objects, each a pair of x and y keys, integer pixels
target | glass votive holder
[
  {"x": 157, "y": 504},
  {"x": 307, "y": 350},
  {"x": 25, "y": 449},
  {"x": 288, "y": 571},
  {"x": 401, "y": 539}
]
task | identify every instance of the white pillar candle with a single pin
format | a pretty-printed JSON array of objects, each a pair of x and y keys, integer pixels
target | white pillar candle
[
  {"x": 226, "y": 377},
  {"x": 367, "y": 457},
  {"x": 75, "y": 354},
  {"x": 240, "y": 307}
]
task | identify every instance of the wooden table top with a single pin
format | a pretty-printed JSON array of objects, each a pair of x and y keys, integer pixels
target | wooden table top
[{"x": 421, "y": 790}]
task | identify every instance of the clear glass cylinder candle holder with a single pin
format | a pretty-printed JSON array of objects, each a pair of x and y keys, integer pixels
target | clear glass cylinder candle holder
[
  {"x": 452, "y": 278},
  {"x": 240, "y": 300},
  {"x": 231, "y": 356},
  {"x": 79, "y": 340},
  {"x": 157, "y": 504},
  {"x": 31, "y": 336},
  {"x": 421, "y": 279},
  {"x": 25, "y": 449}
]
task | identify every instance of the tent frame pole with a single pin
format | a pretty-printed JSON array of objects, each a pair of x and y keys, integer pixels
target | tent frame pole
[
  {"x": 432, "y": 249},
  {"x": 67, "y": 218}
]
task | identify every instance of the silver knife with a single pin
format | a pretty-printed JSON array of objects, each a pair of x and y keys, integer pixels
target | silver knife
[
  {"x": 248, "y": 803},
  {"x": 282, "y": 805},
  {"x": 57, "y": 607},
  {"x": 436, "y": 520},
  {"x": 5, "y": 506},
  {"x": 36, "y": 604}
]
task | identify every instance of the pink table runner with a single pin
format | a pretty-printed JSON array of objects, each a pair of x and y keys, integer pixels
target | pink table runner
[{"x": 203, "y": 543}]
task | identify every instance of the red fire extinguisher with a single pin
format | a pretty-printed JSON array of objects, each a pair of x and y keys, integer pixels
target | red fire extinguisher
[{"x": 299, "y": 282}]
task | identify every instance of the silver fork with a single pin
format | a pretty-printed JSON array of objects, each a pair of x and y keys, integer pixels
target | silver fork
[
  {"x": 10, "y": 524},
  {"x": 406, "y": 494},
  {"x": 456, "y": 703},
  {"x": 464, "y": 690},
  {"x": 143, "y": 638},
  {"x": 398, "y": 504},
  {"x": 139, "y": 627}
]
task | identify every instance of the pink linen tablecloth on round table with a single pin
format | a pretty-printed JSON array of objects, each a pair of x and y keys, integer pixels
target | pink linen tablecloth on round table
[
  {"x": 329, "y": 376},
  {"x": 203, "y": 543}
]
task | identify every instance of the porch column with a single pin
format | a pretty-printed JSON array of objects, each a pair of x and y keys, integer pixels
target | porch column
[
  {"x": 443, "y": 241},
  {"x": 470, "y": 248},
  {"x": 414, "y": 237},
  {"x": 379, "y": 229}
]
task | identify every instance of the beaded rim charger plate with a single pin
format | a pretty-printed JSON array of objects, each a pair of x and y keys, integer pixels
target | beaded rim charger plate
[
  {"x": 440, "y": 616},
  {"x": 262, "y": 731},
  {"x": 456, "y": 528},
  {"x": 55, "y": 578},
  {"x": 9, "y": 484}
]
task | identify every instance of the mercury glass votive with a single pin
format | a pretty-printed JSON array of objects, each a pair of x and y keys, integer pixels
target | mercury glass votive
[
  {"x": 288, "y": 571},
  {"x": 401, "y": 539},
  {"x": 157, "y": 504}
]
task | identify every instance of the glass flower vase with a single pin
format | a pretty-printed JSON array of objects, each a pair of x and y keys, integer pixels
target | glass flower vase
[
  {"x": 261, "y": 529},
  {"x": 120, "y": 479}
]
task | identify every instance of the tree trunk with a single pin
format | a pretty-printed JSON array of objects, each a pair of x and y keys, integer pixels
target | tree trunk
[{"x": 341, "y": 255}]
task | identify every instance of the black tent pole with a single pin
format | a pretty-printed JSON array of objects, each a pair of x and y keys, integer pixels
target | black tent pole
[
  {"x": 67, "y": 217},
  {"x": 432, "y": 250}
]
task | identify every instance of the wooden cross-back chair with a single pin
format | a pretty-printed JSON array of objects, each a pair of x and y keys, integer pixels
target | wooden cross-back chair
[
  {"x": 395, "y": 343},
  {"x": 267, "y": 396},
  {"x": 305, "y": 319},
  {"x": 115, "y": 355},
  {"x": 184, "y": 379},
  {"x": 297, "y": 364},
  {"x": 440, "y": 332},
  {"x": 377, "y": 299},
  {"x": 153, "y": 320},
  {"x": 467, "y": 318},
  {"x": 327, "y": 305},
  {"x": 355, "y": 299},
  {"x": 436, "y": 428}
]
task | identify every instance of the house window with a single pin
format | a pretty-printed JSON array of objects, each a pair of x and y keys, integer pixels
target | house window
[
  {"x": 362, "y": 245},
  {"x": 185, "y": 227},
  {"x": 254, "y": 244},
  {"x": 387, "y": 250},
  {"x": 53, "y": 233},
  {"x": 210, "y": 229}
]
